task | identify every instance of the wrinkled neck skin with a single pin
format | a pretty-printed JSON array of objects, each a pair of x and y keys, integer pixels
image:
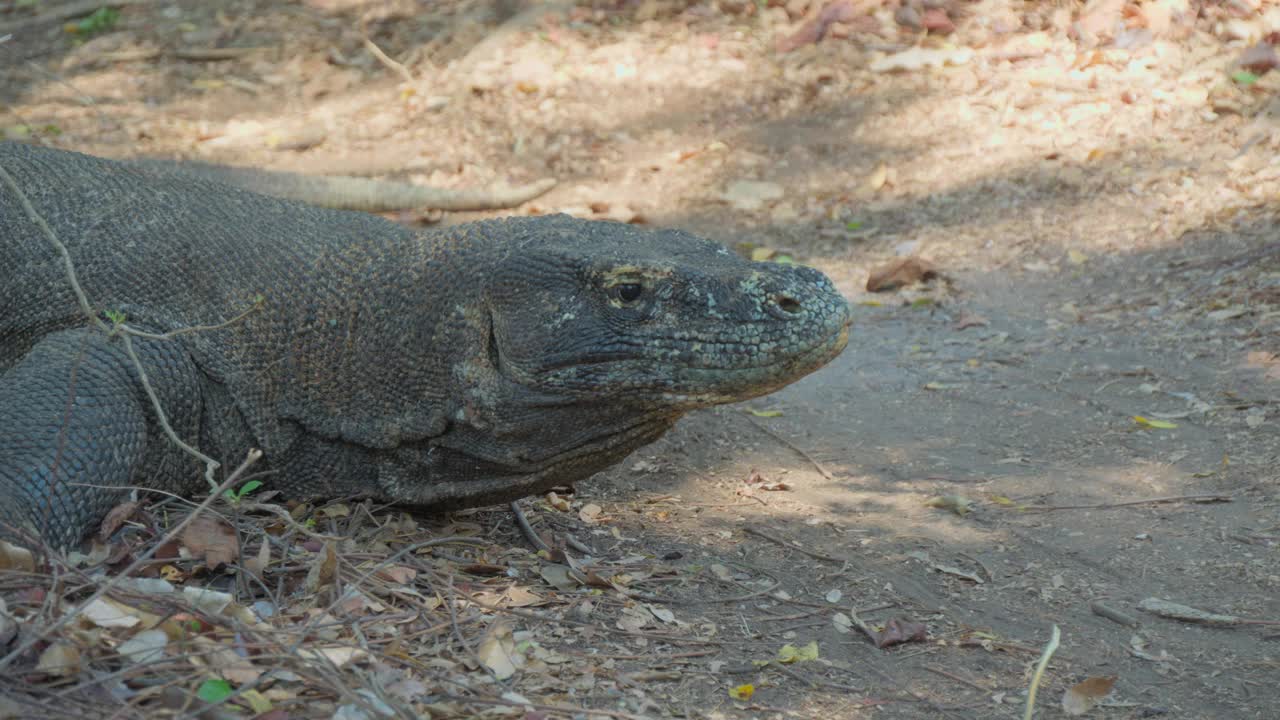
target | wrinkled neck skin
[{"x": 421, "y": 382}]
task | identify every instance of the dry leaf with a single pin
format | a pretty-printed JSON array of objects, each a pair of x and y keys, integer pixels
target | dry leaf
[
  {"x": 13, "y": 557},
  {"x": 590, "y": 513},
  {"x": 1268, "y": 363},
  {"x": 788, "y": 654},
  {"x": 898, "y": 273},
  {"x": 223, "y": 660},
  {"x": 261, "y": 561},
  {"x": 107, "y": 613},
  {"x": 936, "y": 21},
  {"x": 968, "y": 320},
  {"x": 398, "y": 574},
  {"x": 60, "y": 658},
  {"x": 559, "y": 577},
  {"x": 210, "y": 602},
  {"x": 323, "y": 568},
  {"x": 339, "y": 656},
  {"x": 878, "y": 177},
  {"x": 957, "y": 504},
  {"x": 496, "y": 650},
  {"x": 211, "y": 540},
  {"x": 1081, "y": 697},
  {"x": 1259, "y": 59},
  {"x": 898, "y": 631},
  {"x": 147, "y": 646},
  {"x": 115, "y": 518},
  {"x": 816, "y": 29}
]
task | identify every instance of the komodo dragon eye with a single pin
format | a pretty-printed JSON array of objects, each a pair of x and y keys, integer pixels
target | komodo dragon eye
[{"x": 627, "y": 292}]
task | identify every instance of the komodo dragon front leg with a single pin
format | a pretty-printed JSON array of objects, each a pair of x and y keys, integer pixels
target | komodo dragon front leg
[{"x": 76, "y": 418}]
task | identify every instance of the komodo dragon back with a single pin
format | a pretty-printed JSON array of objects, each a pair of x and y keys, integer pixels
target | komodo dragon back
[{"x": 455, "y": 367}]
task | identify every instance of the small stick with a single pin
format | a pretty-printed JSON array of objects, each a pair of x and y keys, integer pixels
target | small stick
[
  {"x": 1210, "y": 497},
  {"x": 1186, "y": 613},
  {"x": 1112, "y": 614},
  {"x": 957, "y": 678},
  {"x": 387, "y": 61},
  {"x": 774, "y": 539},
  {"x": 526, "y": 529},
  {"x": 214, "y": 54},
  {"x": 822, "y": 470},
  {"x": 1039, "y": 674},
  {"x": 566, "y": 709}
]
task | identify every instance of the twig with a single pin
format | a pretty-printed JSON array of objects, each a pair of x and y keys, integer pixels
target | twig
[
  {"x": 1039, "y": 673},
  {"x": 1112, "y": 614},
  {"x": 957, "y": 678},
  {"x": 774, "y": 539},
  {"x": 214, "y": 54},
  {"x": 822, "y": 470},
  {"x": 526, "y": 529},
  {"x": 257, "y": 305},
  {"x": 1206, "y": 498},
  {"x": 175, "y": 531},
  {"x": 566, "y": 709},
  {"x": 210, "y": 465},
  {"x": 68, "y": 265},
  {"x": 387, "y": 61},
  {"x": 1186, "y": 613}
]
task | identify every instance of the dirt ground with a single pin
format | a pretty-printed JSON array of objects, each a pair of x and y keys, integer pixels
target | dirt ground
[{"x": 1080, "y": 409}]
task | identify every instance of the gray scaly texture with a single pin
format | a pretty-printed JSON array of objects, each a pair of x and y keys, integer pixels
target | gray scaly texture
[{"x": 455, "y": 367}]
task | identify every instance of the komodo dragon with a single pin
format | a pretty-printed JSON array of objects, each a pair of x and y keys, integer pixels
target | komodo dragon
[{"x": 453, "y": 367}]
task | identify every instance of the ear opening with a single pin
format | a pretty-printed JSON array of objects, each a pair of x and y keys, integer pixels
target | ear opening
[{"x": 491, "y": 344}]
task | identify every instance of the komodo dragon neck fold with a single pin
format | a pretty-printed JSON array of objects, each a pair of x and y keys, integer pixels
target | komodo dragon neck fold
[{"x": 460, "y": 366}]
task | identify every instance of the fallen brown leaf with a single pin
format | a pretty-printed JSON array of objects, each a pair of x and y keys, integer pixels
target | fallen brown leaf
[
  {"x": 1267, "y": 362},
  {"x": 968, "y": 320},
  {"x": 1259, "y": 59},
  {"x": 898, "y": 273},
  {"x": 13, "y": 557},
  {"x": 212, "y": 540},
  {"x": 937, "y": 22},
  {"x": 115, "y": 518},
  {"x": 1081, "y": 697},
  {"x": 898, "y": 631},
  {"x": 323, "y": 568},
  {"x": 816, "y": 29}
]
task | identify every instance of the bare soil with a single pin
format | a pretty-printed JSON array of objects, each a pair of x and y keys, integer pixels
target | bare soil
[{"x": 1090, "y": 386}]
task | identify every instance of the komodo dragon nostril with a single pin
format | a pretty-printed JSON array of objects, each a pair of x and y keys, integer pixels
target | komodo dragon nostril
[{"x": 787, "y": 303}]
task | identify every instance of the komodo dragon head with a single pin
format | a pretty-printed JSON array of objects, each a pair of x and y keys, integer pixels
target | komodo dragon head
[
  {"x": 594, "y": 338},
  {"x": 656, "y": 318}
]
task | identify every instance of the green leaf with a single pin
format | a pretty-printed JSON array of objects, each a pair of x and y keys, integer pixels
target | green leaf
[
  {"x": 853, "y": 225},
  {"x": 101, "y": 20},
  {"x": 767, "y": 413},
  {"x": 249, "y": 487},
  {"x": 214, "y": 690},
  {"x": 1244, "y": 77}
]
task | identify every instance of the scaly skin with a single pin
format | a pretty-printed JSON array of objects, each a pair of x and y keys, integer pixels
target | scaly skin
[{"x": 456, "y": 367}]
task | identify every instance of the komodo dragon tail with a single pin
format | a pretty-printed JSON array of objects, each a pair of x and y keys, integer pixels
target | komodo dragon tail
[{"x": 342, "y": 192}]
